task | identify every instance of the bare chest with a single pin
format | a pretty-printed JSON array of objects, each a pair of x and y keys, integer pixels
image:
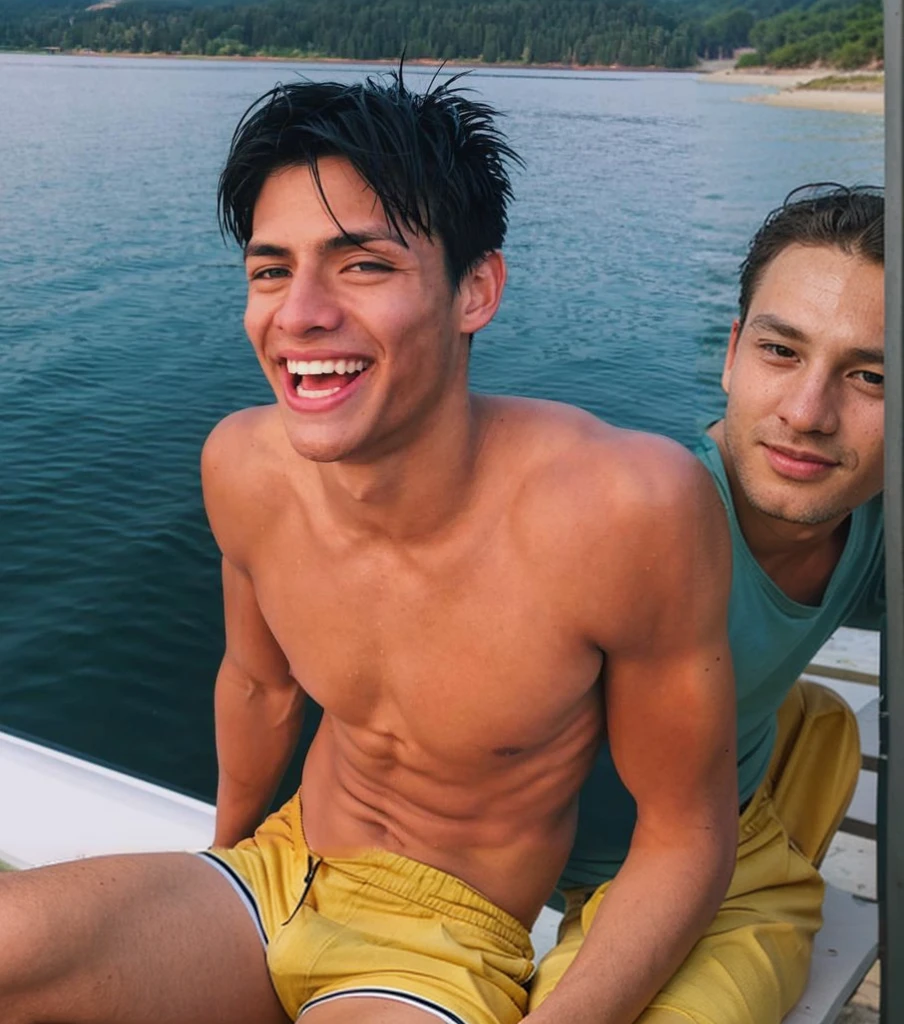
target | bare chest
[{"x": 474, "y": 657}]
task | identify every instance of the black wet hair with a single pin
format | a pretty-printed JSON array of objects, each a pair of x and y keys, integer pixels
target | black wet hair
[
  {"x": 435, "y": 160},
  {"x": 851, "y": 219}
]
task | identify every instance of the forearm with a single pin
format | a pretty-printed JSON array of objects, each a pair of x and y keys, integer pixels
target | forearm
[
  {"x": 257, "y": 729},
  {"x": 649, "y": 920}
]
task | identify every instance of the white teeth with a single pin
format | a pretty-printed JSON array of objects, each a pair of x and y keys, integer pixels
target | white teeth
[
  {"x": 303, "y": 366},
  {"x": 316, "y": 392}
]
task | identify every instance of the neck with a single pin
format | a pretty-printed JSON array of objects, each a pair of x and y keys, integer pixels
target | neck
[
  {"x": 417, "y": 487},
  {"x": 799, "y": 557}
]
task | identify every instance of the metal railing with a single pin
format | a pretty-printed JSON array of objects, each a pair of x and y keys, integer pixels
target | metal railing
[{"x": 891, "y": 776}]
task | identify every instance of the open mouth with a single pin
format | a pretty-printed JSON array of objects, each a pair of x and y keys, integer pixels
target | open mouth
[{"x": 322, "y": 378}]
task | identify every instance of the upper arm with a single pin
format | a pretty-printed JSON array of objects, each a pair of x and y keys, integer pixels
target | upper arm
[
  {"x": 670, "y": 699},
  {"x": 221, "y": 471},
  {"x": 252, "y": 652}
]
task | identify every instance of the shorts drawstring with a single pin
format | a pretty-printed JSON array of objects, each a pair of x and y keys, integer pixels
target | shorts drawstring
[{"x": 313, "y": 865}]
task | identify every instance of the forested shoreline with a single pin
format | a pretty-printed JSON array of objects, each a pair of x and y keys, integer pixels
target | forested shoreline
[
  {"x": 626, "y": 33},
  {"x": 527, "y": 31},
  {"x": 838, "y": 36}
]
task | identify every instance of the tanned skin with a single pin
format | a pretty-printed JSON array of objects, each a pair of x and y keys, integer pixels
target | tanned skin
[
  {"x": 803, "y": 435},
  {"x": 475, "y": 589}
]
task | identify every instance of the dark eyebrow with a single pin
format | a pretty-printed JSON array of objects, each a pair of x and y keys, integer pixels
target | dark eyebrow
[
  {"x": 361, "y": 239},
  {"x": 770, "y": 322},
  {"x": 265, "y": 249},
  {"x": 347, "y": 240},
  {"x": 869, "y": 355}
]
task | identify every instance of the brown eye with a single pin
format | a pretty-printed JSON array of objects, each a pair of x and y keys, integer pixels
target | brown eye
[{"x": 782, "y": 351}]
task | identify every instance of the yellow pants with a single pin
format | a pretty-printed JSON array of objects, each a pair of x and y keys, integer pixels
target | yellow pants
[
  {"x": 378, "y": 925},
  {"x": 752, "y": 964}
]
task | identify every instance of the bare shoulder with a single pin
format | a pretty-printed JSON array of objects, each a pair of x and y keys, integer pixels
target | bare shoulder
[
  {"x": 242, "y": 472},
  {"x": 239, "y": 435},
  {"x": 586, "y": 466},
  {"x": 626, "y": 517}
]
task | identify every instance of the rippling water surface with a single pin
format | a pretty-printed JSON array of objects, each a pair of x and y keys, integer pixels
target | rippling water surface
[{"x": 121, "y": 342}]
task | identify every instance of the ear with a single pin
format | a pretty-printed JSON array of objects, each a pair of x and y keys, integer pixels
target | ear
[
  {"x": 480, "y": 292},
  {"x": 730, "y": 355}
]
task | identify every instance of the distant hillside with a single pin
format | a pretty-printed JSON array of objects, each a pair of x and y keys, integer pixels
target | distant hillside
[
  {"x": 760, "y": 9},
  {"x": 841, "y": 35},
  {"x": 792, "y": 33},
  {"x": 632, "y": 33},
  {"x": 39, "y": 8},
  {"x": 625, "y": 32},
  {"x": 17, "y": 8},
  {"x": 22, "y": 7}
]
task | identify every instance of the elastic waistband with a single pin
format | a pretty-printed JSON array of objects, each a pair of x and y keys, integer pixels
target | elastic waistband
[{"x": 419, "y": 883}]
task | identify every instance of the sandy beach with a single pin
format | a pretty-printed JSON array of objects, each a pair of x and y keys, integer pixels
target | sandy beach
[{"x": 784, "y": 91}]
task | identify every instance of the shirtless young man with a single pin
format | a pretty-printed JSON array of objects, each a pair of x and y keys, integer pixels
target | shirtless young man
[
  {"x": 798, "y": 460},
  {"x": 473, "y": 588}
]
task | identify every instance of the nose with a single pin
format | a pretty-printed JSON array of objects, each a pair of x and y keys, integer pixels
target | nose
[
  {"x": 308, "y": 306},
  {"x": 810, "y": 404}
]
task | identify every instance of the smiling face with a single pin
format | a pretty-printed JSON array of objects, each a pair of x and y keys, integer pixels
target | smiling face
[
  {"x": 804, "y": 378},
  {"x": 358, "y": 330}
]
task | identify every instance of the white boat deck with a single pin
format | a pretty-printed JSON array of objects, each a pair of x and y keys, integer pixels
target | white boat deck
[{"x": 56, "y": 807}]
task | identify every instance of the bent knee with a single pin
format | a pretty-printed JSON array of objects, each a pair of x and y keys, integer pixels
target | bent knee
[
  {"x": 56, "y": 921},
  {"x": 821, "y": 701},
  {"x": 26, "y": 950},
  {"x": 31, "y": 952}
]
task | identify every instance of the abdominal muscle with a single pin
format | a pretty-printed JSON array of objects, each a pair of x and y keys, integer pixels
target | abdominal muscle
[{"x": 503, "y": 822}]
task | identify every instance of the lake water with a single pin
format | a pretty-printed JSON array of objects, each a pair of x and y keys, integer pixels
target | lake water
[{"x": 121, "y": 342}]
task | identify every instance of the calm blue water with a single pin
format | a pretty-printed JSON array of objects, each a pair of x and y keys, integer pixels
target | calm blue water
[{"x": 121, "y": 342}]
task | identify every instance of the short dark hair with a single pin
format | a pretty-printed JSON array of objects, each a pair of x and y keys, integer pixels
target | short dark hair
[
  {"x": 435, "y": 160},
  {"x": 824, "y": 213}
]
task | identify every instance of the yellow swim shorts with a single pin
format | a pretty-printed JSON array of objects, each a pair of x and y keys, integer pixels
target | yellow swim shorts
[
  {"x": 752, "y": 964},
  {"x": 377, "y": 925}
]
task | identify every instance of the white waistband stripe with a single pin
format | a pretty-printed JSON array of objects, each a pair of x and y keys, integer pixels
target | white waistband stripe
[
  {"x": 241, "y": 889},
  {"x": 387, "y": 993}
]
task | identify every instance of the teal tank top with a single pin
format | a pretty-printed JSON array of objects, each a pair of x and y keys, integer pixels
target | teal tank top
[{"x": 772, "y": 640}]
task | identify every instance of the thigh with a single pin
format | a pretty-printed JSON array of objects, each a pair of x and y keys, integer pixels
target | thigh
[
  {"x": 139, "y": 939},
  {"x": 752, "y": 964},
  {"x": 815, "y": 767},
  {"x": 750, "y": 974},
  {"x": 362, "y": 1010}
]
